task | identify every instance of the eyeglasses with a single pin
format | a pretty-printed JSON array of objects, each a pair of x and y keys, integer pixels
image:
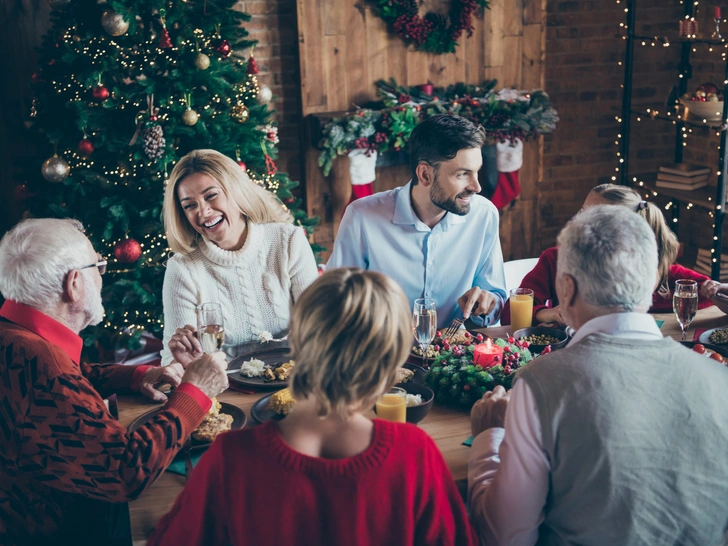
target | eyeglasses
[{"x": 101, "y": 264}]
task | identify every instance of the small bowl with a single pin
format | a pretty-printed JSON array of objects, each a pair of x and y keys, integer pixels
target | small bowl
[
  {"x": 419, "y": 371},
  {"x": 415, "y": 414},
  {"x": 543, "y": 331},
  {"x": 709, "y": 111}
]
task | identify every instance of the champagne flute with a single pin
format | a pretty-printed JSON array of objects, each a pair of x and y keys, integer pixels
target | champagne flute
[
  {"x": 424, "y": 317},
  {"x": 685, "y": 303},
  {"x": 210, "y": 326}
]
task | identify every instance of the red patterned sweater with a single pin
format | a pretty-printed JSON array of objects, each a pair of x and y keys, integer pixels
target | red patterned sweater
[
  {"x": 61, "y": 452},
  {"x": 542, "y": 280}
]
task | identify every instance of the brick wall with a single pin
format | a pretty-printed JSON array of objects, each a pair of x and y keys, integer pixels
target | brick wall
[
  {"x": 584, "y": 79},
  {"x": 273, "y": 24}
]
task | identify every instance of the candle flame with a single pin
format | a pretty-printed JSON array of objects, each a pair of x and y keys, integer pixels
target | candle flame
[{"x": 488, "y": 344}]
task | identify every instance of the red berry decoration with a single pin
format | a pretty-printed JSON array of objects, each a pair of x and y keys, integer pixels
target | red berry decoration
[
  {"x": 506, "y": 349},
  {"x": 164, "y": 41},
  {"x": 224, "y": 49},
  {"x": 85, "y": 147},
  {"x": 243, "y": 165},
  {"x": 437, "y": 348},
  {"x": 468, "y": 335},
  {"x": 511, "y": 339},
  {"x": 546, "y": 350},
  {"x": 438, "y": 334},
  {"x": 100, "y": 92},
  {"x": 479, "y": 337},
  {"x": 508, "y": 370},
  {"x": 467, "y": 343},
  {"x": 127, "y": 251},
  {"x": 466, "y": 387},
  {"x": 253, "y": 66},
  {"x": 21, "y": 192}
]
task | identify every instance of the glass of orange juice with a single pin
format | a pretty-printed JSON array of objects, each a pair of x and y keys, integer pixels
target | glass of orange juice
[
  {"x": 521, "y": 308},
  {"x": 392, "y": 405}
]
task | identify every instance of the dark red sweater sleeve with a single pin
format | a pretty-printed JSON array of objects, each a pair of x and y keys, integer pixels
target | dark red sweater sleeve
[
  {"x": 71, "y": 443},
  {"x": 108, "y": 379},
  {"x": 663, "y": 304},
  {"x": 542, "y": 280}
]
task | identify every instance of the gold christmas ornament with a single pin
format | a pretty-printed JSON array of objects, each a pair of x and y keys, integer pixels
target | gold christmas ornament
[
  {"x": 55, "y": 169},
  {"x": 190, "y": 117},
  {"x": 114, "y": 23},
  {"x": 240, "y": 112},
  {"x": 202, "y": 61}
]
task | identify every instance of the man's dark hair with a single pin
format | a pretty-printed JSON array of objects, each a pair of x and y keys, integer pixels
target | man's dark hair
[{"x": 440, "y": 138}]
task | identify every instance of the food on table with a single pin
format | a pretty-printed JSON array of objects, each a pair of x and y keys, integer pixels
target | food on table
[
  {"x": 253, "y": 368},
  {"x": 703, "y": 350},
  {"x": 431, "y": 351},
  {"x": 542, "y": 339},
  {"x": 280, "y": 373},
  {"x": 404, "y": 375},
  {"x": 213, "y": 424},
  {"x": 719, "y": 336},
  {"x": 413, "y": 400},
  {"x": 461, "y": 337},
  {"x": 282, "y": 402}
]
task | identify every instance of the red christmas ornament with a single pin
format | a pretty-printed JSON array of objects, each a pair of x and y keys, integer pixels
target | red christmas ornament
[
  {"x": 164, "y": 41},
  {"x": 21, "y": 193},
  {"x": 427, "y": 88},
  {"x": 288, "y": 200},
  {"x": 253, "y": 66},
  {"x": 127, "y": 251},
  {"x": 85, "y": 147},
  {"x": 36, "y": 78},
  {"x": 100, "y": 92},
  {"x": 243, "y": 165},
  {"x": 223, "y": 48}
]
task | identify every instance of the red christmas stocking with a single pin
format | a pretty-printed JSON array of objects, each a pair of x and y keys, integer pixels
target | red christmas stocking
[
  {"x": 509, "y": 158},
  {"x": 362, "y": 164}
]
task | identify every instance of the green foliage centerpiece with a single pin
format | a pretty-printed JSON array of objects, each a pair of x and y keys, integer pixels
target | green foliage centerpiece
[{"x": 458, "y": 381}]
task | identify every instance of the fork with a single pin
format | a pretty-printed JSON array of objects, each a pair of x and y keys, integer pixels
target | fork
[{"x": 456, "y": 324}]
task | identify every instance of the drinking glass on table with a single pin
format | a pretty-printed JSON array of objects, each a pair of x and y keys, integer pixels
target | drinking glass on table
[
  {"x": 210, "y": 326},
  {"x": 521, "y": 308},
  {"x": 424, "y": 317},
  {"x": 392, "y": 406},
  {"x": 685, "y": 303}
]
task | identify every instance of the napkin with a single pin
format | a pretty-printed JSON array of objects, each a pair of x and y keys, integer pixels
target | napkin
[
  {"x": 178, "y": 465},
  {"x": 468, "y": 442},
  {"x": 659, "y": 323}
]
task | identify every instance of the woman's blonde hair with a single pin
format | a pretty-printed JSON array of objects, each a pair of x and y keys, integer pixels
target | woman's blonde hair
[
  {"x": 254, "y": 201},
  {"x": 667, "y": 243},
  {"x": 350, "y": 331}
]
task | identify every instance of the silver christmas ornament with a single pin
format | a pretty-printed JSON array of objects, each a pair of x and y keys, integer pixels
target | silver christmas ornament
[
  {"x": 202, "y": 61},
  {"x": 114, "y": 23},
  {"x": 55, "y": 169}
]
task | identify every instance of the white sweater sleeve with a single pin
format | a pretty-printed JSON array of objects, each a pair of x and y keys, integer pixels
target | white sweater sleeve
[
  {"x": 302, "y": 268},
  {"x": 179, "y": 297}
]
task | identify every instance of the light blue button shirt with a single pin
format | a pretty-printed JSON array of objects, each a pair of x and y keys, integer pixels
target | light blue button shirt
[{"x": 382, "y": 233}]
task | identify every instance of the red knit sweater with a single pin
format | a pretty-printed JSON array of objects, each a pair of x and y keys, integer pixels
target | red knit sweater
[
  {"x": 251, "y": 488},
  {"x": 61, "y": 452},
  {"x": 542, "y": 280}
]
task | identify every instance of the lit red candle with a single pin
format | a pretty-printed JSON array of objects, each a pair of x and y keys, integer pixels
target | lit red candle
[
  {"x": 487, "y": 354},
  {"x": 427, "y": 88},
  {"x": 717, "y": 12}
]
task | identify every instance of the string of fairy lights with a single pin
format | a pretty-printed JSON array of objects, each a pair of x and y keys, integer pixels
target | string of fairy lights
[
  {"x": 128, "y": 171},
  {"x": 674, "y": 117}
]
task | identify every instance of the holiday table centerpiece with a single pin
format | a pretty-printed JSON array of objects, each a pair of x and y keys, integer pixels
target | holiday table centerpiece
[{"x": 462, "y": 374}]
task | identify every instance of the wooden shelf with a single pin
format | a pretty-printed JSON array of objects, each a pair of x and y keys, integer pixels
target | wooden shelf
[
  {"x": 675, "y": 118},
  {"x": 702, "y": 197}
]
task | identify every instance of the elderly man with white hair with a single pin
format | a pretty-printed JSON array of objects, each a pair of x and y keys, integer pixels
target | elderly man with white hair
[
  {"x": 63, "y": 458},
  {"x": 621, "y": 437}
]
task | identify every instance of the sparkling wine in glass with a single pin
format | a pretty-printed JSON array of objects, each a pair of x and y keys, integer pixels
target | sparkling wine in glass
[
  {"x": 685, "y": 303},
  {"x": 424, "y": 317},
  {"x": 210, "y": 326}
]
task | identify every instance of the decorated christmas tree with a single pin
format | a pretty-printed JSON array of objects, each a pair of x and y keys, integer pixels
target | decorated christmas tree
[{"x": 127, "y": 88}]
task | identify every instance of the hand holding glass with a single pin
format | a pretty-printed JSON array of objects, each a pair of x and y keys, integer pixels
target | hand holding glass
[
  {"x": 210, "y": 327},
  {"x": 685, "y": 303},
  {"x": 424, "y": 317}
]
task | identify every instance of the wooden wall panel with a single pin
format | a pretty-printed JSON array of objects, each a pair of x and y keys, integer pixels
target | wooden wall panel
[{"x": 345, "y": 48}]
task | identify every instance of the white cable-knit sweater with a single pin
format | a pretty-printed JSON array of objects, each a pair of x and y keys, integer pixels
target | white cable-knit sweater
[{"x": 255, "y": 285}]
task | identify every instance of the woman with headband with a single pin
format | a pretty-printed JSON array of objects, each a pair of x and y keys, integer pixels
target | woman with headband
[{"x": 542, "y": 279}]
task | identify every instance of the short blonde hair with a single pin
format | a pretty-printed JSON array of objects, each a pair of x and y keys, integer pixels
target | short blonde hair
[
  {"x": 349, "y": 333},
  {"x": 255, "y": 202},
  {"x": 667, "y": 242}
]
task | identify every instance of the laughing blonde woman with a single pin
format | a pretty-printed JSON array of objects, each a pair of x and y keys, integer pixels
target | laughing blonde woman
[{"x": 234, "y": 244}]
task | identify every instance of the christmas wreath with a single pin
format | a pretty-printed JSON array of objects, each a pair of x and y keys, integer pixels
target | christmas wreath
[
  {"x": 458, "y": 381},
  {"x": 435, "y": 32}
]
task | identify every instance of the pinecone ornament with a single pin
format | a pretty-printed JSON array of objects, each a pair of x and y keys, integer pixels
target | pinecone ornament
[
  {"x": 153, "y": 141},
  {"x": 438, "y": 20},
  {"x": 409, "y": 7}
]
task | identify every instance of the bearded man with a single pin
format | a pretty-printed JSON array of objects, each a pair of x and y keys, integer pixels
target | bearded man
[{"x": 435, "y": 235}]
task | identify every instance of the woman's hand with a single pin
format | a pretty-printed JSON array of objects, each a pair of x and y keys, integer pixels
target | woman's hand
[
  {"x": 547, "y": 315},
  {"x": 184, "y": 345},
  {"x": 717, "y": 293}
]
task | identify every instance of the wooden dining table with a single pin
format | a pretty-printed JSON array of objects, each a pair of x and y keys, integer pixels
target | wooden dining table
[{"x": 449, "y": 428}]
